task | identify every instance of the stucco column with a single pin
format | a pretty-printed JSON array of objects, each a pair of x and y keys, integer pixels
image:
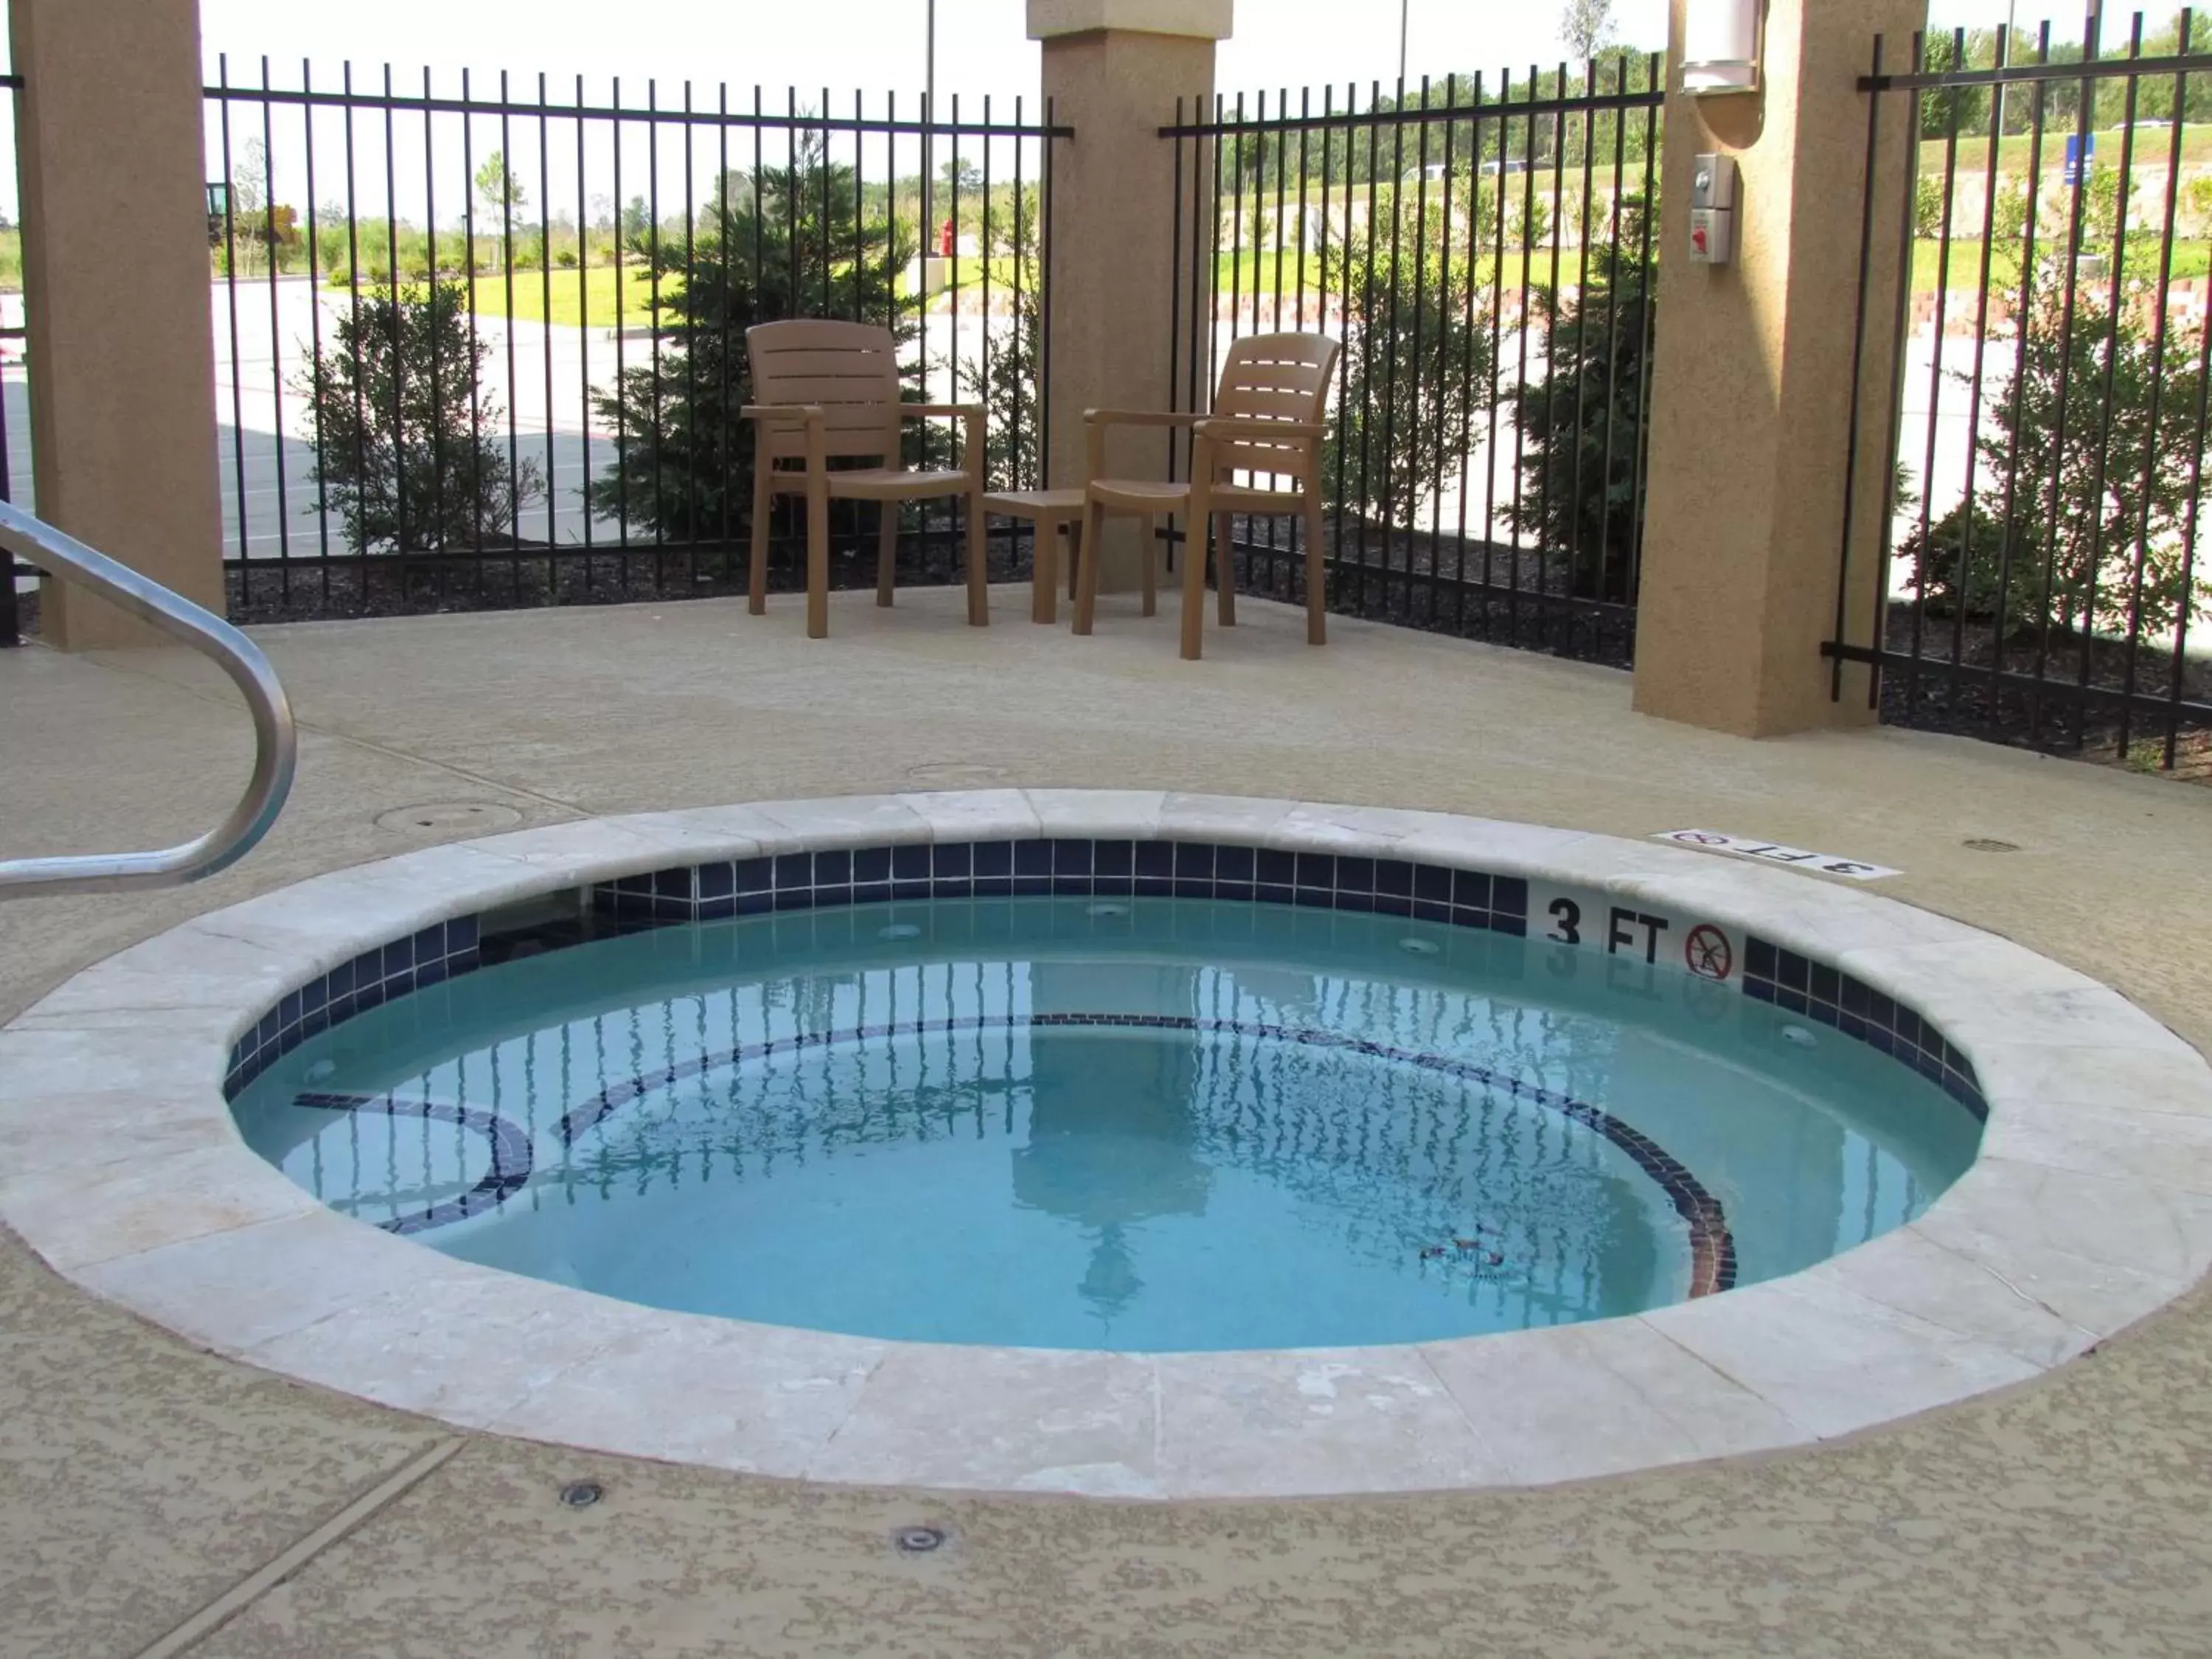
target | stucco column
[
  {"x": 1113, "y": 70},
  {"x": 115, "y": 280},
  {"x": 1751, "y": 387}
]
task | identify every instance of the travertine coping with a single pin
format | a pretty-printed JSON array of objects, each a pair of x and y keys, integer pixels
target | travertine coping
[{"x": 2090, "y": 1206}]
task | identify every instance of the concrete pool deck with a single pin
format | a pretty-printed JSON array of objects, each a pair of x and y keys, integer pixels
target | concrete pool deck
[{"x": 150, "y": 1481}]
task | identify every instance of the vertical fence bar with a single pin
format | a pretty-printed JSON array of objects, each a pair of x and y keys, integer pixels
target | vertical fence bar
[
  {"x": 584, "y": 334},
  {"x": 1940, "y": 315},
  {"x": 314, "y": 328},
  {"x": 2034, "y": 213},
  {"x": 2140, "y": 564},
  {"x": 1858, "y": 368},
  {"x": 545, "y": 260},
  {"x": 1991, "y": 163}
]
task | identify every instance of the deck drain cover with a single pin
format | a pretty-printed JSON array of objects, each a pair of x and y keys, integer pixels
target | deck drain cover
[
  {"x": 582, "y": 1494},
  {"x": 1982, "y": 844},
  {"x": 449, "y": 814},
  {"x": 919, "y": 1541}
]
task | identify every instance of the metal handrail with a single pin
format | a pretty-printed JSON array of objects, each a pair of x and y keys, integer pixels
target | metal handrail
[{"x": 276, "y": 739}]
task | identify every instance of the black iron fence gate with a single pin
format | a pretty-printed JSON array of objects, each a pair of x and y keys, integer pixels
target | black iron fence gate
[
  {"x": 2040, "y": 575},
  {"x": 1486, "y": 252},
  {"x": 483, "y": 344}
]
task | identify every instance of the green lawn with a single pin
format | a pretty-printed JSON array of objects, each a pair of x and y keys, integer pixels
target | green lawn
[
  {"x": 2191, "y": 258},
  {"x": 580, "y": 298}
]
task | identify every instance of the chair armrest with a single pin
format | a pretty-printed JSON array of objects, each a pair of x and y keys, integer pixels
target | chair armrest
[
  {"x": 1139, "y": 417},
  {"x": 810, "y": 412},
  {"x": 972, "y": 416}
]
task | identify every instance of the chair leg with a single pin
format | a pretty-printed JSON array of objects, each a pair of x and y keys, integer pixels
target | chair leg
[
  {"x": 1200, "y": 520},
  {"x": 1074, "y": 552},
  {"x": 1316, "y": 576},
  {"x": 1224, "y": 568},
  {"x": 757, "y": 584},
  {"x": 1086, "y": 600},
  {"x": 818, "y": 561},
  {"x": 1148, "y": 562},
  {"x": 979, "y": 564},
  {"x": 887, "y": 536}
]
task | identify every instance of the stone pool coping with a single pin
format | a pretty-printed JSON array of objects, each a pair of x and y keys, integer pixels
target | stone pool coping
[{"x": 2079, "y": 1218}]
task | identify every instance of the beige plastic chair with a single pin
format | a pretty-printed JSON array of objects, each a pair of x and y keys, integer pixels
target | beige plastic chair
[
  {"x": 1266, "y": 422},
  {"x": 827, "y": 392}
]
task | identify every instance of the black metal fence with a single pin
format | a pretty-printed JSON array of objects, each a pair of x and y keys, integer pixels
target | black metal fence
[
  {"x": 1486, "y": 253},
  {"x": 2041, "y": 577},
  {"x": 478, "y": 347}
]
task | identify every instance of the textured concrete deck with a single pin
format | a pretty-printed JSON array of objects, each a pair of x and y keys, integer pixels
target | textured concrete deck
[{"x": 146, "y": 1481}]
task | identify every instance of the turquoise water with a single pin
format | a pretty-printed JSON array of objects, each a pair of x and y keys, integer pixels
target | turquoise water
[{"x": 1150, "y": 1125}]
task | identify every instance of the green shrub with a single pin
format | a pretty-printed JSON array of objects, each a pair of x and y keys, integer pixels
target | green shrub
[
  {"x": 401, "y": 420},
  {"x": 1417, "y": 355},
  {"x": 1589, "y": 410}
]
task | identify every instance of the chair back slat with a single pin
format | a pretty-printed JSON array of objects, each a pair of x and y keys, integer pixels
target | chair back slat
[
  {"x": 850, "y": 369},
  {"x": 1274, "y": 377}
]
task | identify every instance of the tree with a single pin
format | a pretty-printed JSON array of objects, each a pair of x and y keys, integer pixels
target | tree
[
  {"x": 498, "y": 189},
  {"x": 1586, "y": 28},
  {"x": 682, "y": 466},
  {"x": 405, "y": 444},
  {"x": 1417, "y": 355},
  {"x": 1010, "y": 385},
  {"x": 1582, "y": 423}
]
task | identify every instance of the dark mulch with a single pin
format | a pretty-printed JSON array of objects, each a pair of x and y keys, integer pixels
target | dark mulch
[{"x": 2065, "y": 714}]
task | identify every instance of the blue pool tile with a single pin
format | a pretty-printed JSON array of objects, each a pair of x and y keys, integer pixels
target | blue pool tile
[
  {"x": 1193, "y": 887},
  {"x": 1233, "y": 864},
  {"x": 1393, "y": 877},
  {"x": 1431, "y": 910},
  {"x": 833, "y": 869},
  {"x": 794, "y": 870},
  {"x": 993, "y": 886},
  {"x": 1113, "y": 886},
  {"x": 953, "y": 858},
  {"x": 755, "y": 875},
  {"x": 911, "y": 863},
  {"x": 679, "y": 883},
  {"x": 1317, "y": 871},
  {"x": 872, "y": 865},
  {"x": 1510, "y": 893},
  {"x": 1355, "y": 875},
  {"x": 756, "y": 904},
  {"x": 1071, "y": 857},
  {"x": 952, "y": 887},
  {"x": 1194, "y": 861},
  {"x": 1268, "y": 892},
  {"x": 1238, "y": 891},
  {"x": 1274, "y": 868},
  {"x": 717, "y": 881},
  {"x": 874, "y": 892},
  {"x": 1470, "y": 890},
  {"x": 1155, "y": 858},
  {"x": 1759, "y": 958},
  {"x": 1032, "y": 858},
  {"x": 995, "y": 857},
  {"x": 1113, "y": 858},
  {"x": 1348, "y": 900}
]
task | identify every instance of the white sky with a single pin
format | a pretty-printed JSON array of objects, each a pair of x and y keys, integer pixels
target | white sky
[{"x": 877, "y": 45}]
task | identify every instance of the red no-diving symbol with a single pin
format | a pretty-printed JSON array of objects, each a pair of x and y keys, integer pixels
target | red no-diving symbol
[{"x": 1708, "y": 952}]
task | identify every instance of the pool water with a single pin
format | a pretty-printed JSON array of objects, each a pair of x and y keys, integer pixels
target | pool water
[{"x": 1150, "y": 1125}]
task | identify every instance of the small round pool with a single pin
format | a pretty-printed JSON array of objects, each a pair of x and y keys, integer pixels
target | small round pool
[{"x": 1106, "y": 1120}]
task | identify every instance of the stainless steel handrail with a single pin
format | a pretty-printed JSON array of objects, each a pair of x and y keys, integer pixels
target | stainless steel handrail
[{"x": 276, "y": 739}]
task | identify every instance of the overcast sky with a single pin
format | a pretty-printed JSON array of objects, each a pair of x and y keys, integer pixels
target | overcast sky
[{"x": 878, "y": 44}]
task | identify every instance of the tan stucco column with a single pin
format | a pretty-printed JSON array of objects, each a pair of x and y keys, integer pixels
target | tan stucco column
[
  {"x": 1751, "y": 386},
  {"x": 1113, "y": 70},
  {"x": 115, "y": 279}
]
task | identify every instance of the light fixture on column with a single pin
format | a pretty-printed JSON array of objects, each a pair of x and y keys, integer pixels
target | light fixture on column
[{"x": 1720, "y": 47}]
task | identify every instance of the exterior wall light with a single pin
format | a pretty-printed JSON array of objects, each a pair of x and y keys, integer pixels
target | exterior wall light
[{"x": 1720, "y": 47}]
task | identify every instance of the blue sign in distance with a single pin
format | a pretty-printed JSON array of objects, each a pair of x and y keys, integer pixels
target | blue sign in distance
[{"x": 2081, "y": 156}]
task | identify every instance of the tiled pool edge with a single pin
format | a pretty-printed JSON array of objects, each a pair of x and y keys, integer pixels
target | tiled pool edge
[{"x": 2027, "y": 1261}]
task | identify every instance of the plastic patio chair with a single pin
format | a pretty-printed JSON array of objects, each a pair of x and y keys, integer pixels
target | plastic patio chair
[
  {"x": 830, "y": 392},
  {"x": 1266, "y": 423}
]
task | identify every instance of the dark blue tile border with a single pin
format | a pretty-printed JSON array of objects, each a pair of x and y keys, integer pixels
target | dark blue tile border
[
  {"x": 1082, "y": 868},
  {"x": 1798, "y": 985}
]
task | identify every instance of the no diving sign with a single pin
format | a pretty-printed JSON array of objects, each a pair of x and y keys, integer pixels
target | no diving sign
[{"x": 1826, "y": 864}]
